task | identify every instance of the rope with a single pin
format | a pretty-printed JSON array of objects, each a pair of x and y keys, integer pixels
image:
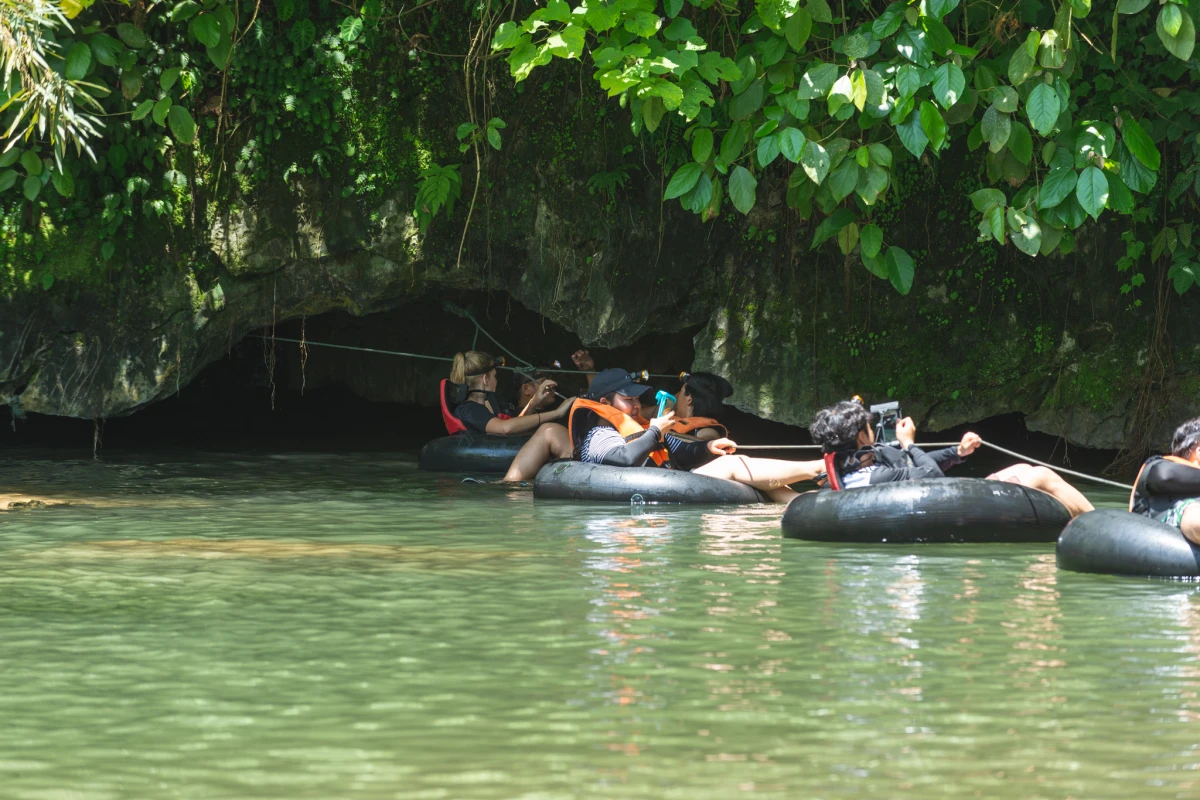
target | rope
[
  {"x": 1063, "y": 470},
  {"x": 1014, "y": 454}
]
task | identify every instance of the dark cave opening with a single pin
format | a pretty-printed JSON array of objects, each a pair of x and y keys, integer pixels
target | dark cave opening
[{"x": 264, "y": 395}]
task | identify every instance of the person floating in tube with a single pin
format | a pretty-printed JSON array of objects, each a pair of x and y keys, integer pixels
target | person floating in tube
[
  {"x": 1168, "y": 487},
  {"x": 605, "y": 428},
  {"x": 483, "y": 411},
  {"x": 531, "y": 394},
  {"x": 855, "y": 460}
]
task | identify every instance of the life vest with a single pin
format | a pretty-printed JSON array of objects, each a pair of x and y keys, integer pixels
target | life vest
[
  {"x": 685, "y": 426},
  {"x": 1152, "y": 505},
  {"x": 453, "y": 424},
  {"x": 581, "y": 422}
]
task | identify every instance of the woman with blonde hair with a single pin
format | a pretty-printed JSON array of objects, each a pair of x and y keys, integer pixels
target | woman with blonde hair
[{"x": 484, "y": 411}]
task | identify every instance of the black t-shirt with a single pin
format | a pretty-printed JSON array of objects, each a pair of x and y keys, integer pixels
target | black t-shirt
[{"x": 476, "y": 415}]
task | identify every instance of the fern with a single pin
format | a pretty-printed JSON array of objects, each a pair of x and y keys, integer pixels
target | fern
[
  {"x": 440, "y": 187},
  {"x": 607, "y": 183}
]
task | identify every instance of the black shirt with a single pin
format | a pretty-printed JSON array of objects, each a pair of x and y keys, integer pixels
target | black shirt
[
  {"x": 1163, "y": 483},
  {"x": 476, "y": 415}
]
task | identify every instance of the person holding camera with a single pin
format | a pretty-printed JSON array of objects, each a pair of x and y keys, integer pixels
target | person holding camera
[{"x": 854, "y": 459}]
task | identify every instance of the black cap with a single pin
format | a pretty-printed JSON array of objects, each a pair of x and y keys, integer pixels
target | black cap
[{"x": 619, "y": 381}]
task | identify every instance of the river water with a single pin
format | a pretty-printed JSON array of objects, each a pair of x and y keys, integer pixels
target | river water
[{"x": 319, "y": 626}]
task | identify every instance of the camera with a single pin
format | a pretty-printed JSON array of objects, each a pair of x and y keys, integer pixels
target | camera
[{"x": 884, "y": 417}]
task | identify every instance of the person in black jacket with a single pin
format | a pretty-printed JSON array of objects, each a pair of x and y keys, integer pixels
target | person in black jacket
[
  {"x": 844, "y": 430},
  {"x": 1168, "y": 487}
]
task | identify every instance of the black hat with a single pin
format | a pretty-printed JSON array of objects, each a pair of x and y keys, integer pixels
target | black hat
[{"x": 616, "y": 380}]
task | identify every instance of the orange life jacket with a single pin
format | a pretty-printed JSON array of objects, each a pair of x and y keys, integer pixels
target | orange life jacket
[
  {"x": 685, "y": 426},
  {"x": 1139, "y": 492},
  {"x": 578, "y": 426}
]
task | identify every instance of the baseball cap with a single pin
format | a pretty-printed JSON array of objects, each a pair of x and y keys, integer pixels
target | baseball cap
[{"x": 616, "y": 380}]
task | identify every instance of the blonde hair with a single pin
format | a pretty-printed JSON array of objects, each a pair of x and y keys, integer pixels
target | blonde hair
[{"x": 470, "y": 366}]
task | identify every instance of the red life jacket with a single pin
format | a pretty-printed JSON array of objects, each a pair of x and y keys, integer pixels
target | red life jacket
[
  {"x": 454, "y": 424},
  {"x": 627, "y": 426}
]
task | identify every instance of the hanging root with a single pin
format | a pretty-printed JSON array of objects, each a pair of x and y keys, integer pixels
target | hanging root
[
  {"x": 303, "y": 352},
  {"x": 97, "y": 437}
]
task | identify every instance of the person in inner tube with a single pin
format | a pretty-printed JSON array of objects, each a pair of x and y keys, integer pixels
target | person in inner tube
[
  {"x": 606, "y": 429},
  {"x": 483, "y": 411},
  {"x": 1168, "y": 487},
  {"x": 531, "y": 394},
  {"x": 844, "y": 431}
]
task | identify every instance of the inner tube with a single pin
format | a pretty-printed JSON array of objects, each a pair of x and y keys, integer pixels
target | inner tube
[
  {"x": 933, "y": 510},
  {"x": 1114, "y": 542},
  {"x": 471, "y": 452},
  {"x": 576, "y": 480}
]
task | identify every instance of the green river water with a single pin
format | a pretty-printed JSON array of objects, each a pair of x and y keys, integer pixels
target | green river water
[{"x": 319, "y": 626}]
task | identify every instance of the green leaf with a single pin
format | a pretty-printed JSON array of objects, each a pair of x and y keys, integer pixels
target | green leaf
[
  {"x": 1181, "y": 43},
  {"x": 933, "y": 125},
  {"x": 797, "y": 29},
  {"x": 913, "y": 136},
  {"x": 117, "y": 156},
  {"x": 673, "y": 7},
  {"x": 220, "y": 54},
  {"x": 1136, "y": 175},
  {"x": 1172, "y": 19},
  {"x": 31, "y": 187},
  {"x": 1140, "y": 144},
  {"x": 182, "y": 124},
  {"x": 1059, "y": 185},
  {"x": 908, "y": 80},
  {"x": 815, "y": 161},
  {"x": 900, "y": 269},
  {"x": 844, "y": 179},
  {"x": 600, "y": 16},
  {"x": 817, "y": 82},
  {"x": 680, "y": 30},
  {"x": 1026, "y": 232},
  {"x": 948, "y": 84},
  {"x": 642, "y": 23},
  {"x": 509, "y": 34},
  {"x": 791, "y": 144},
  {"x": 847, "y": 238},
  {"x": 819, "y": 11},
  {"x": 772, "y": 50},
  {"x": 742, "y": 187},
  {"x": 871, "y": 239},
  {"x": 302, "y": 34},
  {"x": 1005, "y": 99},
  {"x": 166, "y": 80},
  {"x": 734, "y": 141},
  {"x": 106, "y": 49},
  {"x": 855, "y": 46},
  {"x": 1042, "y": 108},
  {"x": 702, "y": 144},
  {"x": 1120, "y": 199},
  {"x": 131, "y": 83},
  {"x": 32, "y": 162},
  {"x": 996, "y": 127},
  {"x": 132, "y": 36},
  {"x": 1020, "y": 143},
  {"x": 888, "y": 22},
  {"x": 1081, "y": 8},
  {"x": 161, "y": 108},
  {"x": 79, "y": 59},
  {"x": 748, "y": 102},
  {"x": 830, "y": 226},
  {"x": 185, "y": 10},
  {"x": 652, "y": 113},
  {"x": 768, "y": 150},
  {"x": 683, "y": 180},
  {"x": 64, "y": 183},
  {"x": 986, "y": 198},
  {"x": 7, "y": 179},
  {"x": 1092, "y": 191},
  {"x": 1020, "y": 67},
  {"x": 47, "y": 280},
  {"x": 881, "y": 154},
  {"x": 875, "y": 265},
  {"x": 940, "y": 8},
  {"x": 1131, "y": 6},
  {"x": 207, "y": 30},
  {"x": 796, "y": 107},
  {"x": 351, "y": 28}
]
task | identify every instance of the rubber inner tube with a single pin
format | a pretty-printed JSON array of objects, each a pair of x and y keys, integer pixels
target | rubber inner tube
[
  {"x": 575, "y": 480},
  {"x": 937, "y": 510},
  {"x": 471, "y": 452},
  {"x": 1114, "y": 542}
]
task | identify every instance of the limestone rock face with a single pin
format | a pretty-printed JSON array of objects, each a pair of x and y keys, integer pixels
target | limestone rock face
[{"x": 984, "y": 330}]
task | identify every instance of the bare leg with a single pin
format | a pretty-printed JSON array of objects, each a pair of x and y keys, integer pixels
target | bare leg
[
  {"x": 1048, "y": 481},
  {"x": 550, "y": 441},
  {"x": 1190, "y": 524},
  {"x": 769, "y": 475}
]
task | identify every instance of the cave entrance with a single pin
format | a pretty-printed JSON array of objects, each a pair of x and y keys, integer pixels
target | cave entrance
[{"x": 276, "y": 395}]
